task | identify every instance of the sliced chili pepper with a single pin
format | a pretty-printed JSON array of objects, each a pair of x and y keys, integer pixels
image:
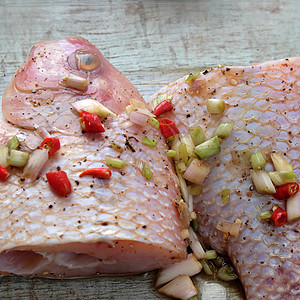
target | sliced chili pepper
[
  {"x": 53, "y": 144},
  {"x": 279, "y": 217},
  {"x": 59, "y": 182},
  {"x": 90, "y": 123},
  {"x": 287, "y": 190},
  {"x": 162, "y": 108},
  {"x": 3, "y": 173},
  {"x": 167, "y": 127},
  {"x": 103, "y": 173}
]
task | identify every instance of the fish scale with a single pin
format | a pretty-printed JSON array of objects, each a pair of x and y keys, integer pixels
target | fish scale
[
  {"x": 126, "y": 224},
  {"x": 263, "y": 101}
]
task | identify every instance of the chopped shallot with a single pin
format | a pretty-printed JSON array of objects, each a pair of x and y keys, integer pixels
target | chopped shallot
[
  {"x": 191, "y": 266},
  {"x": 293, "y": 207},
  {"x": 197, "y": 171},
  {"x": 231, "y": 228},
  {"x": 181, "y": 287}
]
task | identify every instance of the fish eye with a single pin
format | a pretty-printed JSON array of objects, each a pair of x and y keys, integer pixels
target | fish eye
[{"x": 87, "y": 61}]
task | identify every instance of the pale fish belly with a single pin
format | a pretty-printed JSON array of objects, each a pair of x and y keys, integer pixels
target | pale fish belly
[
  {"x": 126, "y": 224},
  {"x": 263, "y": 100}
]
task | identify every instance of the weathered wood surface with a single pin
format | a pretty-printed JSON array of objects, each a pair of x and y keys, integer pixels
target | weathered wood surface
[{"x": 152, "y": 43}]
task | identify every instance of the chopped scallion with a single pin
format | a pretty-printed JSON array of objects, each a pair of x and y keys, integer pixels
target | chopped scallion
[
  {"x": 13, "y": 143},
  {"x": 171, "y": 153},
  {"x": 262, "y": 182},
  {"x": 197, "y": 135},
  {"x": 116, "y": 146},
  {"x": 195, "y": 189},
  {"x": 215, "y": 106},
  {"x": 208, "y": 148},
  {"x": 181, "y": 166},
  {"x": 282, "y": 177},
  {"x": 266, "y": 215},
  {"x": 224, "y": 129},
  {"x": 226, "y": 273},
  {"x": 18, "y": 158},
  {"x": 211, "y": 254},
  {"x": 225, "y": 194},
  {"x": 257, "y": 160},
  {"x": 183, "y": 154},
  {"x": 280, "y": 163},
  {"x": 115, "y": 162},
  {"x": 193, "y": 76},
  {"x": 3, "y": 156},
  {"x": 147, "y": 173},
  {"x": 194, "y": 225},
  {"x": 160, "y": 98},
  {"x": 149, "y": 142},
  {"x": 208, "y": 267},
  {"x": 153, "y": 122}
]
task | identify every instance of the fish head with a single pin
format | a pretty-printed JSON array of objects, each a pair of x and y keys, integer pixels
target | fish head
[{"x": 38, "y": 95}]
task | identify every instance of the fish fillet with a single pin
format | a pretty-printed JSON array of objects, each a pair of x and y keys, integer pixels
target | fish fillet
[
  {"x": 263, "y": 101},
  {"x": 126, "y": 224}
]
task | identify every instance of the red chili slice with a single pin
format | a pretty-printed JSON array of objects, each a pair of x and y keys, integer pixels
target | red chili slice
[
  {"x": 59, "y": 182},
  {"x": 287, "y": 190},
  {"x": 103, "y": 173},
  {"x": 53, "y": 143},
  {"x": 3, "y": 173},
  {"x": 167, "y": 127},
  {"x": 90, "y": 123},
  {"x": 279, "y": 217},
  {"x": 163, "y": 107}
]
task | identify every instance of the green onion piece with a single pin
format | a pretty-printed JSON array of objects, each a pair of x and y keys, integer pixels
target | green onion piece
[
  {"x": 193, "y": 298},
  {"x": 116, "y": 146},
  {"x": 215, "y": 106},
  {"x": 171, "y": 153},
  {"x": 208, "y": 148},
  {"x": 147, "y": 173},
  {"x": 194, "y": 225},
  {"x": 262, "y": 182},
  {"x": 115, "y": 162},
  {"x": 160, "y": 98},
  {"x": 226, "y": 273},
  {"x": 266, "y": 215},
  {"x": 280, "y": 163},
  {"x": 282, "y": 177},
  {"x": 224, "y": 129},
  {"x": 181, "y": 166},
  {"x": 13, "y": 143},
  {"x": 257, "y": 160},
  {"x": 18, "y": 158},
  {"x": 153, "y": 122},
  {"x": 211, "y": 254},
  {"x": 187, "y": 140},
  {"x": 225, "y": 194},
  {"x": 3, "y": 156},
  {"x": 192, "y": 76},
  {"x": 208, "y": 267},
  {"x": 183, "y": 186},
  {"x": 197, "y": 135},
  {"x": 149, "y": 142},
  {"x": 183, "y": 154},
  {"x": 195, "y": 189}
]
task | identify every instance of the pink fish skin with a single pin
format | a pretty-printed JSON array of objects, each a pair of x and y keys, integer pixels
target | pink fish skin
[
  {"x": 263, "y": 101},
  {"x": 126, "y": 224}
]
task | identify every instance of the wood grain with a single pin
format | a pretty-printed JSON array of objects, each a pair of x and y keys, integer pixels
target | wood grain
[{"x": 152, "y": 43}]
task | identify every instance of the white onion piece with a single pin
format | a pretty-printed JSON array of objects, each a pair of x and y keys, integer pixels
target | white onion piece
[
  {"x": 197, "y": 171},
  {"x": 92, "y": 106},
  {"x": 32, "y": 141},
  {"x": 195, "y": 244},
  {"x": 36, "y": 163},
  {"x": 181, "y": 287},
  {"x": 138, "y": 118},
  {"x": 231, "y": 228},
  {"x": 262, "y": 182},
  {"x": 191, "y": 266},
  {"x": 293, "y": 207}
]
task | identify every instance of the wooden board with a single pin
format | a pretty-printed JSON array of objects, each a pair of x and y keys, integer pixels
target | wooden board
[{"x": 152, "y": 43}]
